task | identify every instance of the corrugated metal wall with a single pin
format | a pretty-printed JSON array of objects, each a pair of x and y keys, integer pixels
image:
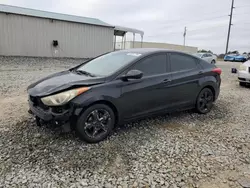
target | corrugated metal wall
[{"x": 30, "y": 36}]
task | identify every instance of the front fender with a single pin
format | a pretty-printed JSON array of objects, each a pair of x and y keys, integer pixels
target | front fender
[{"x": 83, "y": 101}]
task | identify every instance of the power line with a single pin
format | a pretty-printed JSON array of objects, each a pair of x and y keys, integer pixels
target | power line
[
  {"x": 243, "y": 6},
  {"x": 242, "y": 13},
  {"x": 242, "y": 23},
  {"x": 206, "y": 28},
  {"x": 210, "y": 13},
  {"x": 197, "y": 21},
  {"x": 209, "y": 19},
  {"x": 194, "y": 30}
]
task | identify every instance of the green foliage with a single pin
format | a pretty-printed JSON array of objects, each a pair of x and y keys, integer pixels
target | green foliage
[
  {"x": 233, "y": 52},
  {"x": 205, "y": 51}
]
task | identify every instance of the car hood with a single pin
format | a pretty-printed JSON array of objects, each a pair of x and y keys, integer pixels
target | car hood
[
  {"x": 61, "y": 81},
  {"x": 239, "y": 56}
]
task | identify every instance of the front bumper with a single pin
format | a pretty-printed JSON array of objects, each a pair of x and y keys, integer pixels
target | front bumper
[
  {"x": 48, "y": 115},
  {"x": 244, "y": 76}
]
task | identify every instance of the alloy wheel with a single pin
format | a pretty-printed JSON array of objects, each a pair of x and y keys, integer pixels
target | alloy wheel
[
  {"x": 97, "y": 123},
  {"x": 205, "y": 100}
]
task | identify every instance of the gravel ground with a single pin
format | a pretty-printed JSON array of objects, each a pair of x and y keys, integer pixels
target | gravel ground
[{"x": 181, "y": 149}]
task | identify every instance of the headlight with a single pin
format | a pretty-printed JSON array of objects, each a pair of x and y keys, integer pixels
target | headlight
[
  {"x": 243, "y": 67},
  {"x": 64, "y": 97}
]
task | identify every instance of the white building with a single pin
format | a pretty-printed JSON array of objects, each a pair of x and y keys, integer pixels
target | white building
[
  {"x": 28, "y": 32},
  {"x": 141, "y": 44}
]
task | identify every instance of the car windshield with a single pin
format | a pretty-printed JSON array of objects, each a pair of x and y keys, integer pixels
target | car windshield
[
  {"x": 108, "y": 64},
  {"x": 198, "y": 55}
]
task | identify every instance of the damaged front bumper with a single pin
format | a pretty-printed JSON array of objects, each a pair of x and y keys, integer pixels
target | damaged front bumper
[{"x": 50, "y": 115}]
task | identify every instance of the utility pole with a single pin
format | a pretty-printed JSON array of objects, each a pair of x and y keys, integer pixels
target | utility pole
[
  {"x": 230, "y": 24},
  {"x": 184, "y": 35}
]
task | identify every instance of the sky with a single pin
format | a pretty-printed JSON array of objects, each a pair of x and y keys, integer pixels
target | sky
[{"x": 164, "y": 20}]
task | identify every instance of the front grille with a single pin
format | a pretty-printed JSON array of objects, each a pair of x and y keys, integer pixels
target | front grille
[
  {"x": 37, "y": 102},
  {"x": 34, "y": 100}
]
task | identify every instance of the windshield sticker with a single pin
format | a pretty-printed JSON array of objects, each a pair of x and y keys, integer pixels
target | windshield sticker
[{"x": 134, "y": 54}]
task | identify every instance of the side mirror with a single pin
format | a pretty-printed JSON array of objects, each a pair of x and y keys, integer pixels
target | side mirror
[{"x": 132, "y": 74}]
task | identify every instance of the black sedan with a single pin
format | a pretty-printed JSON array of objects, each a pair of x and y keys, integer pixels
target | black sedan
[{"x": 121, "y": 86}]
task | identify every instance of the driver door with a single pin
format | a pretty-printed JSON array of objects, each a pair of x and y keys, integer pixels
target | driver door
[{"x": 150, "y": 93}]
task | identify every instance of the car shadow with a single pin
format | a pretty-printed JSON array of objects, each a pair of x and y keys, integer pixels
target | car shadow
[{"x": 172, "y": 121}]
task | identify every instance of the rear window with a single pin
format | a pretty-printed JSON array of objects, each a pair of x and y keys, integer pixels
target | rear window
[
  {"x": 153, "y": 65},
  {"x": 182, "y": 62}
]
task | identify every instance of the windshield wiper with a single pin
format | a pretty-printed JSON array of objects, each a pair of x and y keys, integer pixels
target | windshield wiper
[{"x": 85, "y": 73}]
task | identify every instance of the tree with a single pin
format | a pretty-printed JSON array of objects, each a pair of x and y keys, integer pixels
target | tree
[
  {"x": 233, "y": 52},
  {"x": 205, "y": 51},
  {"x": 221, "y": 56}
]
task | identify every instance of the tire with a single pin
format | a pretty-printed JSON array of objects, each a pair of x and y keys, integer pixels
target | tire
[
  {"x": 242, "y": 83},
  {"x": 213, "y": 62},
  {"x": 91, "y": 125},
  {"x": 204, "y": 101}
]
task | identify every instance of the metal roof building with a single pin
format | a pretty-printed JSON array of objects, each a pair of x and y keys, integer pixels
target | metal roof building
[{"x": 28, "y": 32}]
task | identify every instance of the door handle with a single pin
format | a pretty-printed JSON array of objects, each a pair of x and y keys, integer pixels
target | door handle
[{"x": 166, "y": 81}]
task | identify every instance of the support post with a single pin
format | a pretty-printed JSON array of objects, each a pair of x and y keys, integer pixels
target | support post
[
  {"x": 122, "y": 43},
  {"x": 115, "y": 43},
  {"x": 141, "y": 40},
  {"x": 133, "y": 40},
  {"x": 125, "y": 40}
]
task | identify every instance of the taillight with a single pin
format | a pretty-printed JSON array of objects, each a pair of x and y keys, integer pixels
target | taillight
[{"x": 217, "y": 70}]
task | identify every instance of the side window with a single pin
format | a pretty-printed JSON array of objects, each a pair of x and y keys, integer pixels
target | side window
[
  {"x": 153, "y": 65},
  {"x": 209, "y": 55},
  {"x": 182, "y": 62},
  {"x": 204, "y": 55}
]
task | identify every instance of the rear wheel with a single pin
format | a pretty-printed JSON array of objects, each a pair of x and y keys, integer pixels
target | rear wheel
[
  {"x": 95, "y": 123},
  {"x": 242, "y": 83},
  {"x": 204, "y": 101}
]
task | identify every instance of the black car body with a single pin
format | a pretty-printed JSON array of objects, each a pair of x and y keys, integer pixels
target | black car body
[{"x": 150, "y": 82}]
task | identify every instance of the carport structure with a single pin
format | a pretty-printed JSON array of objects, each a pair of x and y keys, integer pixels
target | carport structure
[{"x": 122, "y": 31}]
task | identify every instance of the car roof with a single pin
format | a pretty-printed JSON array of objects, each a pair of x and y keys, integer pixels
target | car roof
[
  {"x": 203, "y": 53},
  {"x": 146, "y": 51}
]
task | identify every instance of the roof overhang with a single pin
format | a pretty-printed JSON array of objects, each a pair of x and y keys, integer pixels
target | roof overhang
[{"x": 121, "y": 31}]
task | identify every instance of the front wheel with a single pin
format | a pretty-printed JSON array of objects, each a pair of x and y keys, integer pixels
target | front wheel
[
  {"x": 95, "y": 123},
  {"x": 204, "y": 101},
  {"x": 213, "y": 62}
]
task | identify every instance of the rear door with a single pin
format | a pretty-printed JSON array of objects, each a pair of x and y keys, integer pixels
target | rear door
[
  {"x": 150, "y": 93},
  {"x": 205, "y": 57},
  {"x": 209, "y": 58},
  {"x": 185, "y": 72}
]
